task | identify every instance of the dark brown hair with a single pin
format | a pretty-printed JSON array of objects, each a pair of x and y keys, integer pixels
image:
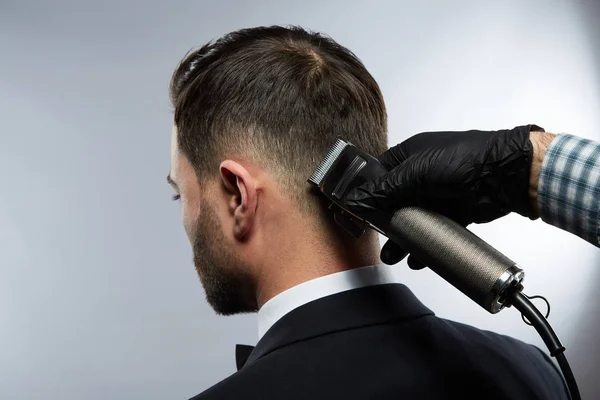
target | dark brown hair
[{"x": 279, "y": 96}]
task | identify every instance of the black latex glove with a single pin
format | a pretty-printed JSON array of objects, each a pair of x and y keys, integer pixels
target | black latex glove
[{"x": 472, "y": 176}]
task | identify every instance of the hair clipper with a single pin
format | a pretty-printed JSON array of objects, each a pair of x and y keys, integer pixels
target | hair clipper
[{"x": 343, "y": 168}]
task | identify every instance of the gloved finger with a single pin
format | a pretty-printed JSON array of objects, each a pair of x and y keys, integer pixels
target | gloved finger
[
  {"x": 393, "y": 157},
  {"x": 397, "y": 154},
  {"x": 414, "y": 263},
  {"x": 391, "y": 253},
  {"x": 389, "y": 192}
]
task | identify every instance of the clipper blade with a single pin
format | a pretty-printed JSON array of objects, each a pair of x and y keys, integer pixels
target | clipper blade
[{"x": 317, "y": 177}]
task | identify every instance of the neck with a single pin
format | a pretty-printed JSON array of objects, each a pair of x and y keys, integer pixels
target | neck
[{"x": 303, "y": 255}]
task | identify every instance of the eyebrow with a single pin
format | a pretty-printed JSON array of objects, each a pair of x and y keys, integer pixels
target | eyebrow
[{"x": 171, "y": 181}]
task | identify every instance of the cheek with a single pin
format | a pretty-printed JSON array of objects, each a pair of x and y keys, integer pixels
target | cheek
[{"x": 189, "y": 218}]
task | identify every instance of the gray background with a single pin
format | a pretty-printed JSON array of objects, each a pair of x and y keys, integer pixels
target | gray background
[{"x": 98, "y": 296}]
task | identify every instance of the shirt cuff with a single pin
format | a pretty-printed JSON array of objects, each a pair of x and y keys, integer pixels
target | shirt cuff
[{"x": 569, "y": 186}]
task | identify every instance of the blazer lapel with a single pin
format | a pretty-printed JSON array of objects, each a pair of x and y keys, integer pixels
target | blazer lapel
[{"x": 346, "y": 310}]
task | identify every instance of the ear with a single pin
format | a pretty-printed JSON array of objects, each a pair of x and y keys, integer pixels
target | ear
[{"x": 242, "y": 198}]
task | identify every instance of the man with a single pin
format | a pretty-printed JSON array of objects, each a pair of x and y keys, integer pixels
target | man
[{"x": 255, "y": 112}]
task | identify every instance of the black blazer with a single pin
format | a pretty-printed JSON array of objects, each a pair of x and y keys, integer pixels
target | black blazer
[{"x": 380, "y": 342}]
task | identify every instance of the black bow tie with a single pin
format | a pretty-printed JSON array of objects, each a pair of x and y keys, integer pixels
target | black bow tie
[{"x": 242, "y": 352}]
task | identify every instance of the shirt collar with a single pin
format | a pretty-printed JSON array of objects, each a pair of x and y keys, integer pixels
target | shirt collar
[{"x": 314, "y": 289}]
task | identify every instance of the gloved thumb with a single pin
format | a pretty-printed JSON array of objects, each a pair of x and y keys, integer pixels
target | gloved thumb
[{"x": 389, "y": 192}]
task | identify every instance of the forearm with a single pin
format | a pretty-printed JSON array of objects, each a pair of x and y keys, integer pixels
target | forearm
[{"x": 540, "y": 141}]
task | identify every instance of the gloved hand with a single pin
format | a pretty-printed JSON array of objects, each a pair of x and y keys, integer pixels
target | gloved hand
[{"x": 472, "y": 176}]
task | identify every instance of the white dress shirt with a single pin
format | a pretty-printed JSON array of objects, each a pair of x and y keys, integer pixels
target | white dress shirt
[{"x": 314, "y": 289}]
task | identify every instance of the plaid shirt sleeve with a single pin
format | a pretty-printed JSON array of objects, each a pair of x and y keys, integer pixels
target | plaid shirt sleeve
[{"x": 569, "y": 186}]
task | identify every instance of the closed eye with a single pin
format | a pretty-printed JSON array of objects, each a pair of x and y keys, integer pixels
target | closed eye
[{"x": 176, "y": 197}]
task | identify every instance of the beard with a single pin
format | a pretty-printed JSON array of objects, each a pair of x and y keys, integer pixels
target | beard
[{"x": 228, "y": 286}]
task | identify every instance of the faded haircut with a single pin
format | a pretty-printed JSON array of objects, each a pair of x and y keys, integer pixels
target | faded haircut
[{"x": 279, "y": 96}]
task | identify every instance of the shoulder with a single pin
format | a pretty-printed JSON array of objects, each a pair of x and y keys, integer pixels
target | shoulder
[
  {"x": 506, "y": 352},
  {"x": 426, "y": 355},
  {"x": 487, "y": 340}
]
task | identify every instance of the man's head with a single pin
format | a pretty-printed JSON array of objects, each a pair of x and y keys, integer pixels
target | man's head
[{"x": 255, "y": 113}]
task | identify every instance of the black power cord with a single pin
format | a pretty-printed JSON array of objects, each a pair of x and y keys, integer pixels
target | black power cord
[{"x": 541, "y": 325}]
